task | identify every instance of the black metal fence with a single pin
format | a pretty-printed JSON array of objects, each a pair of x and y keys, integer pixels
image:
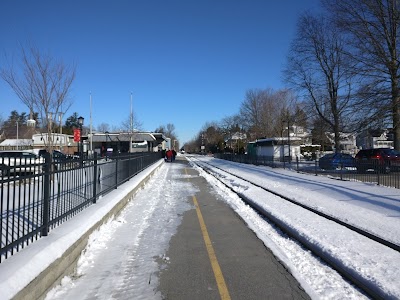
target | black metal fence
[
  {"x": 37, "y": 196},
  {"x": 367, "y": 171}
]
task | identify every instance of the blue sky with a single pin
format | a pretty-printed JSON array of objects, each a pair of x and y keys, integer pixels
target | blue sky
[{"x": 185, "y": 62}]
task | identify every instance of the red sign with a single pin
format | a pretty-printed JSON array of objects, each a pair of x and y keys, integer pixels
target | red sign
[{"x": 77, "y": 135}]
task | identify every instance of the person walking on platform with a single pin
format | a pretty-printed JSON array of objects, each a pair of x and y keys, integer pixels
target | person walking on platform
[
  {"x": 173, "y": 154},
  {"x": 169, "y": 155}
]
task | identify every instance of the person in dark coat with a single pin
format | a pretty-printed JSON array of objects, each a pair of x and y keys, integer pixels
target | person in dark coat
[{"x": 173, "y": 154}]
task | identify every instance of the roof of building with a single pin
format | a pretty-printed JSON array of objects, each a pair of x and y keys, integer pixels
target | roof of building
[
  {"x": 278, "y": 141},
  {"x": 124, "y": 137},
  {"x": 15, "y": 142}
]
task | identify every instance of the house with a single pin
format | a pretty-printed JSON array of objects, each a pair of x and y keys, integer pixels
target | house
[
  {"x": 348, "y": 142},
  {"x": 235, "y": 141},
  {"x": 375, "y": 138}
]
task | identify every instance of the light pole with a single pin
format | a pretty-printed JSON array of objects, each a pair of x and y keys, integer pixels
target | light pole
[
  {"x": 80, "y": 122},
  {"x": 17, "y": 135},
  {"x": 60, "y": 114},
  {"x": 288, "y": 136},
  {"x": 106, "y": 154},
  {"x": 288, "y": 139},
  {"x": 237, "y": 140},
  {"x": 202, "y": 143}
]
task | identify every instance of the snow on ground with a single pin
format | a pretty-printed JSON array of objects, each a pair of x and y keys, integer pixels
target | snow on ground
[
  {"x": 138, "y": 238},
  {"x": 121, "y": 259},
  {"x": 371, "y": 206}
]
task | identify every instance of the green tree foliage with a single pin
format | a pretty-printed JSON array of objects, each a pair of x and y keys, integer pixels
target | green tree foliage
[{"x": 71, "y": 123}]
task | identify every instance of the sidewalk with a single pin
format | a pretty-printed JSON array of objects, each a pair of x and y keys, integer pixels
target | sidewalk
[
  {"x": 33, "y": 270},
  {"x": 175, "y": 239}
]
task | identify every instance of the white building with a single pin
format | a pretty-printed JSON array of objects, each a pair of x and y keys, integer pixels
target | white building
[
  {"x": 278, "y": 148},
  {"x": 63, "y": 142},
  {"x": 375, "y": 139},
  {"x": 16, "y": 144},
  {"x": 348, "y": 142}
]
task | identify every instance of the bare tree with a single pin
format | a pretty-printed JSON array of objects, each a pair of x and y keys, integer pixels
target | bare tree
[
  {"x": 42, "y": 84},
  {"x": 261, "y": 111},
  {"x": 227, "y": 124},
  {"x": 373, "y": 30},
  {"x": 161, "y": 129},
  {"x": 103, "y": 127},
  {"x": 136, "y": 124},
  {"x": 317, "y": 68},
  {"x": 1, "y": 127},
  {"x": 169, "y": 131},
  {"x": 212, "y": 137}
]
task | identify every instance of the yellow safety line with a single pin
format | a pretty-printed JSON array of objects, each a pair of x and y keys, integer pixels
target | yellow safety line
[{"x": 223, "y": 290}]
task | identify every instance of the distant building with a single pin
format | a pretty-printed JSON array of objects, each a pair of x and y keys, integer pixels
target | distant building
[
  {"x": 123, "y": 142},
  {"x": 118, "y": 142},
  {"x": 375, "y": 138},
  {"x": 14, "y": 144},
  {"x": 348, "y": 142},
  {"x": 62, "y": 142},
  {"x": 277, "y": 148}
]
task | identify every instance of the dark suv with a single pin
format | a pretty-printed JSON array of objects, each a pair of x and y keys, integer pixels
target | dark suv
[{"x": 378, "y": 159}]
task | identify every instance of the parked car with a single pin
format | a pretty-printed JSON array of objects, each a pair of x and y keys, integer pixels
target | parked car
[
  {"x": 378, "y": 159},
  {"x": 20, "y": 162},
  {"x": 58, "y": 156},
  {"x": 59, "y": 159},
  {"x": 336, "y": 161}
]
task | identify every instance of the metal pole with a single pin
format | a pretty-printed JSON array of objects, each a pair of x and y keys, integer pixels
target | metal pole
[
  {"x": 60, "y": 119},
  {"x": 17, "y": 136},
  {"x": 46, "y": 195},
  {"x": 131, "y": 128},
  {"x": 288, "y": 134},
  {"x": 91, "y": 131},
  {"x": 95, "y": 178},
  {"x": 81, "y": 146}
]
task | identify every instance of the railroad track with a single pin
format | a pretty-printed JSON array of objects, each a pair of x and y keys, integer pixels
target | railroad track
[{"x": 342, "y": 269}]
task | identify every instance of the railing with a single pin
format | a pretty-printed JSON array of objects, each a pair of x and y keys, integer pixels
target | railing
[
  {"x": 367, "y": 171},
  {"x": 38, "y": 196}
]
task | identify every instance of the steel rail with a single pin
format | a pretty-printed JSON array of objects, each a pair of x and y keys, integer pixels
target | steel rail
[
  {"x": 343, "y": 270},
  {"x": 367, "y": 234}
]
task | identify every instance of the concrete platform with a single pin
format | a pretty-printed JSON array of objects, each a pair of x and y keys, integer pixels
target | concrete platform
[{"x": 214, "y": 255}]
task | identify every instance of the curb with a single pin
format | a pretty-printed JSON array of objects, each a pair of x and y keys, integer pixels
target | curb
[{"x": 66, "y": 264}]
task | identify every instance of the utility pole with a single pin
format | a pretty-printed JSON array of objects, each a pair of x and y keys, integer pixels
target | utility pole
[
  {"x": 131, "y": 127},
  {"x": 91, "y": 128},
  {"x": 17, "y": 135},
  {"x": 60, "y": 114}
]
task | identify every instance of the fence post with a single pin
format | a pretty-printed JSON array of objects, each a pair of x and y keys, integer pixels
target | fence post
[
  {"x": 95, "y": 178},
  {"x": 129, "y": 165},
  {"x": 316, "y": 167},
  {"x": 46, "y": 194},
  {"x": 341, "y": 169},
  {"x": 116, "y": 172},
  {"x": 378, "y": 170}
]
